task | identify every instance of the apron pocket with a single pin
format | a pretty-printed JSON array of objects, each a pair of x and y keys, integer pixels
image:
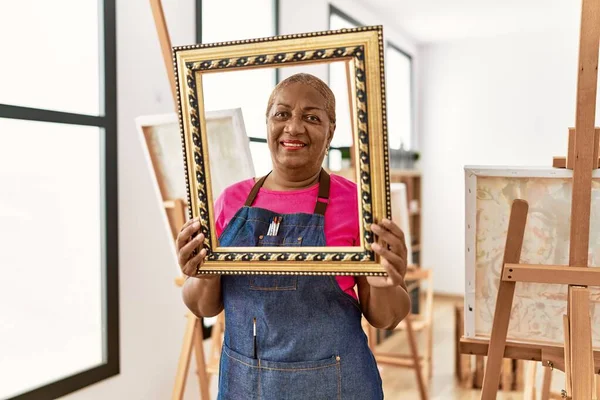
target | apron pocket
[
  {"x": 279, "y": 241},
  {"x": 300, "y": 380},
  {"x": 275, "y": 282},
  {"x": 238, "y": 376}
]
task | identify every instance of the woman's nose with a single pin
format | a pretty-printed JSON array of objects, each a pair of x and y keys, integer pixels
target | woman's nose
[{"x": 294, "y": 126}]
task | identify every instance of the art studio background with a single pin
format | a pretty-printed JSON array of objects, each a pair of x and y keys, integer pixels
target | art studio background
[{"x": 467, "y": 83}]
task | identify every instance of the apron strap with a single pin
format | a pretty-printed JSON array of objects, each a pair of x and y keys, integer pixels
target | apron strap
[
  {"x": 324, "y": 184},
  {"x": 255, "y": 190},
  {"x": 320, "y": 207}
]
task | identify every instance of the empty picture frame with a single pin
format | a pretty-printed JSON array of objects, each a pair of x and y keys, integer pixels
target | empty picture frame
[
  {"x": 536, "y": 315},
  {"x": 361, "y": 50}
]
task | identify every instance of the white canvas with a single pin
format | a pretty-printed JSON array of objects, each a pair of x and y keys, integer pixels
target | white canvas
[
  {"x": 536, "y": 315},
  {"x": 160, "y": 140},
  {"x": 229, "y": 149},
  {"x": 400, "y": 214}
]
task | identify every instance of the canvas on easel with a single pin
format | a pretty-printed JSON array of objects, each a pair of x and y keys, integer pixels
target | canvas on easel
[
  {"x": 489, "y": 194},
  {"x": 401, "y": 215},
  {"x": 229, "y": 143}
]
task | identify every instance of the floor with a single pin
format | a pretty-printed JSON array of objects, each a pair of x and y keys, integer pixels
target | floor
[{"x": 400, "y": 383}]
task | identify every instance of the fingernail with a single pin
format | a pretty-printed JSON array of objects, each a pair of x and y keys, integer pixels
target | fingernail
[
  {"x": 196, "y": 224},
  {"x": 386, "y": 221},
  {"x": 376, "y": 246}
]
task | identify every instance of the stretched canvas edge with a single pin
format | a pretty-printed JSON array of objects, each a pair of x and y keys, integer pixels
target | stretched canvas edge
[{"x": 470, "y": 251}]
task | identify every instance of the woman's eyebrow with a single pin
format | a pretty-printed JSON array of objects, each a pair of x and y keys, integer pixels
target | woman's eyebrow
[
  {"x": 310, "y": 108},
  {"x": 307, "y": 108}
]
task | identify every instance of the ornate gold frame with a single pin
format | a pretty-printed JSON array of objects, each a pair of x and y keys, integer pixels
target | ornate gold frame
[{"x": 362, "y": 50}]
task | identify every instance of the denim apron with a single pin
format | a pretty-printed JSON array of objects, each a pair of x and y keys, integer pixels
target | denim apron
[{"x": 287, "y": 336}]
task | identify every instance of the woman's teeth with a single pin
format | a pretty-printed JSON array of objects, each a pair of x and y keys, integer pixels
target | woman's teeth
[{"x": 293, "y": 144}]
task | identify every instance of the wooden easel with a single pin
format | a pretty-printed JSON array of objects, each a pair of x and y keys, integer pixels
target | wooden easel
[
  {"x": 176, "y": 213},
  {"x": 421, "y": 364},
  {"x": 578, "y": 359},
  {"x": 193, "y": 336}
]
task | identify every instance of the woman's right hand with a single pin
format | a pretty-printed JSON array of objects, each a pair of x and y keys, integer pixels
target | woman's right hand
[{"x": 186, "y": 245}]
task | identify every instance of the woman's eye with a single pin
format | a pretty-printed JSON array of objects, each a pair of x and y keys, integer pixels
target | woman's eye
[
  {"x": 313, "y": 118},
  {"x": 280, "y": 114}
]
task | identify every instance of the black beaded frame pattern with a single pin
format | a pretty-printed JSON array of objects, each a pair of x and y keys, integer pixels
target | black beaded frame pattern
[{"x": 279, "y": 59}]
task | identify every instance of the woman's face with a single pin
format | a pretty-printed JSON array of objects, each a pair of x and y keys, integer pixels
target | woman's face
[{"x": 298, "y": 128}]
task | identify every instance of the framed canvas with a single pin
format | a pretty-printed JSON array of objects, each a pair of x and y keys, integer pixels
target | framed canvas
[
  {"x": 537, "y": 310},
  {"x": 360, "y": 50}
]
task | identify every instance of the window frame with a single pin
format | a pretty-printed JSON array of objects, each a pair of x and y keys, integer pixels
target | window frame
[
  {"x": 333, "y": 10},
  {"x": 390, "y": 44},
  {"x": 107, "y": 121}
]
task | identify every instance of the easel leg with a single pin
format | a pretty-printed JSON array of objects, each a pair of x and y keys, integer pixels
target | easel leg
[
  {"x": 184, "y": 359},
  {"x": 504, "y": 301},
  {"x": 568, "y": 381},
  {"x": 582, "y": 368},
  {"x": 429, "y": 329},
  {"x": 412, "y": 341},
  {"x": 530, "y": 372},
  {"x": 201, "y": 361},
  {"x": 546, "y": 383},
  {"x": 507, "y": 374}
]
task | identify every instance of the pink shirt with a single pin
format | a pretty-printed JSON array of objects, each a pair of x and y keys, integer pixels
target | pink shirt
[{"x": 341, "y": 217}]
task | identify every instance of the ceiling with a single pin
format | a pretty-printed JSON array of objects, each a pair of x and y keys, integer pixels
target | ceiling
[{"x": 445, "y": 20}]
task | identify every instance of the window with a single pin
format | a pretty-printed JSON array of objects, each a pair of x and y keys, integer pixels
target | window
[
  {"x": 244, "y": 20},
  {"x": 398, "y": 91},
  {"x": 339, "y": 84},
  {"x": 58, "y": 204},
  {"x": 399, "y": 97}
]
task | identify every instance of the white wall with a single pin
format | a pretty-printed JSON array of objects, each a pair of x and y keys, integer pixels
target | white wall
[
  {"x": 495, "y": 101},
  {"x": 151, "y": 311}
]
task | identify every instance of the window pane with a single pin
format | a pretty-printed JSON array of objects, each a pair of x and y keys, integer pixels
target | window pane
[
  {"x": 399, "y": 107},
  {"x": 251, "y": 19},
  {"x": 338, "y": 22},
  {"x": 55, "y": 62},
  {"x": 339, "y": 85},
  {"x": 261, "y": 157},
  {"x": 51, "y": 258},
  {"x": 246, "y": 89},
  {"x": 338, "y": 82},
  {"x": 223, "y": 91}
]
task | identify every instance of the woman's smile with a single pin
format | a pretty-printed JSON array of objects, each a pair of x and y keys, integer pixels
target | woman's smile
[{"x": 292, "y": 145}]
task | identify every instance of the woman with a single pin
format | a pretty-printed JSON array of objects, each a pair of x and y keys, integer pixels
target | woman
[{"x": 296, "y": 337}]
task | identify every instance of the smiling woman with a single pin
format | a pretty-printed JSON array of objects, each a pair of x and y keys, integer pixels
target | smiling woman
[{"x": 261, "y": 250}]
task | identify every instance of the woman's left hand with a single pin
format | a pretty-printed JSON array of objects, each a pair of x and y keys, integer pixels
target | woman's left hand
[{"x": 393, "y": 258}]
